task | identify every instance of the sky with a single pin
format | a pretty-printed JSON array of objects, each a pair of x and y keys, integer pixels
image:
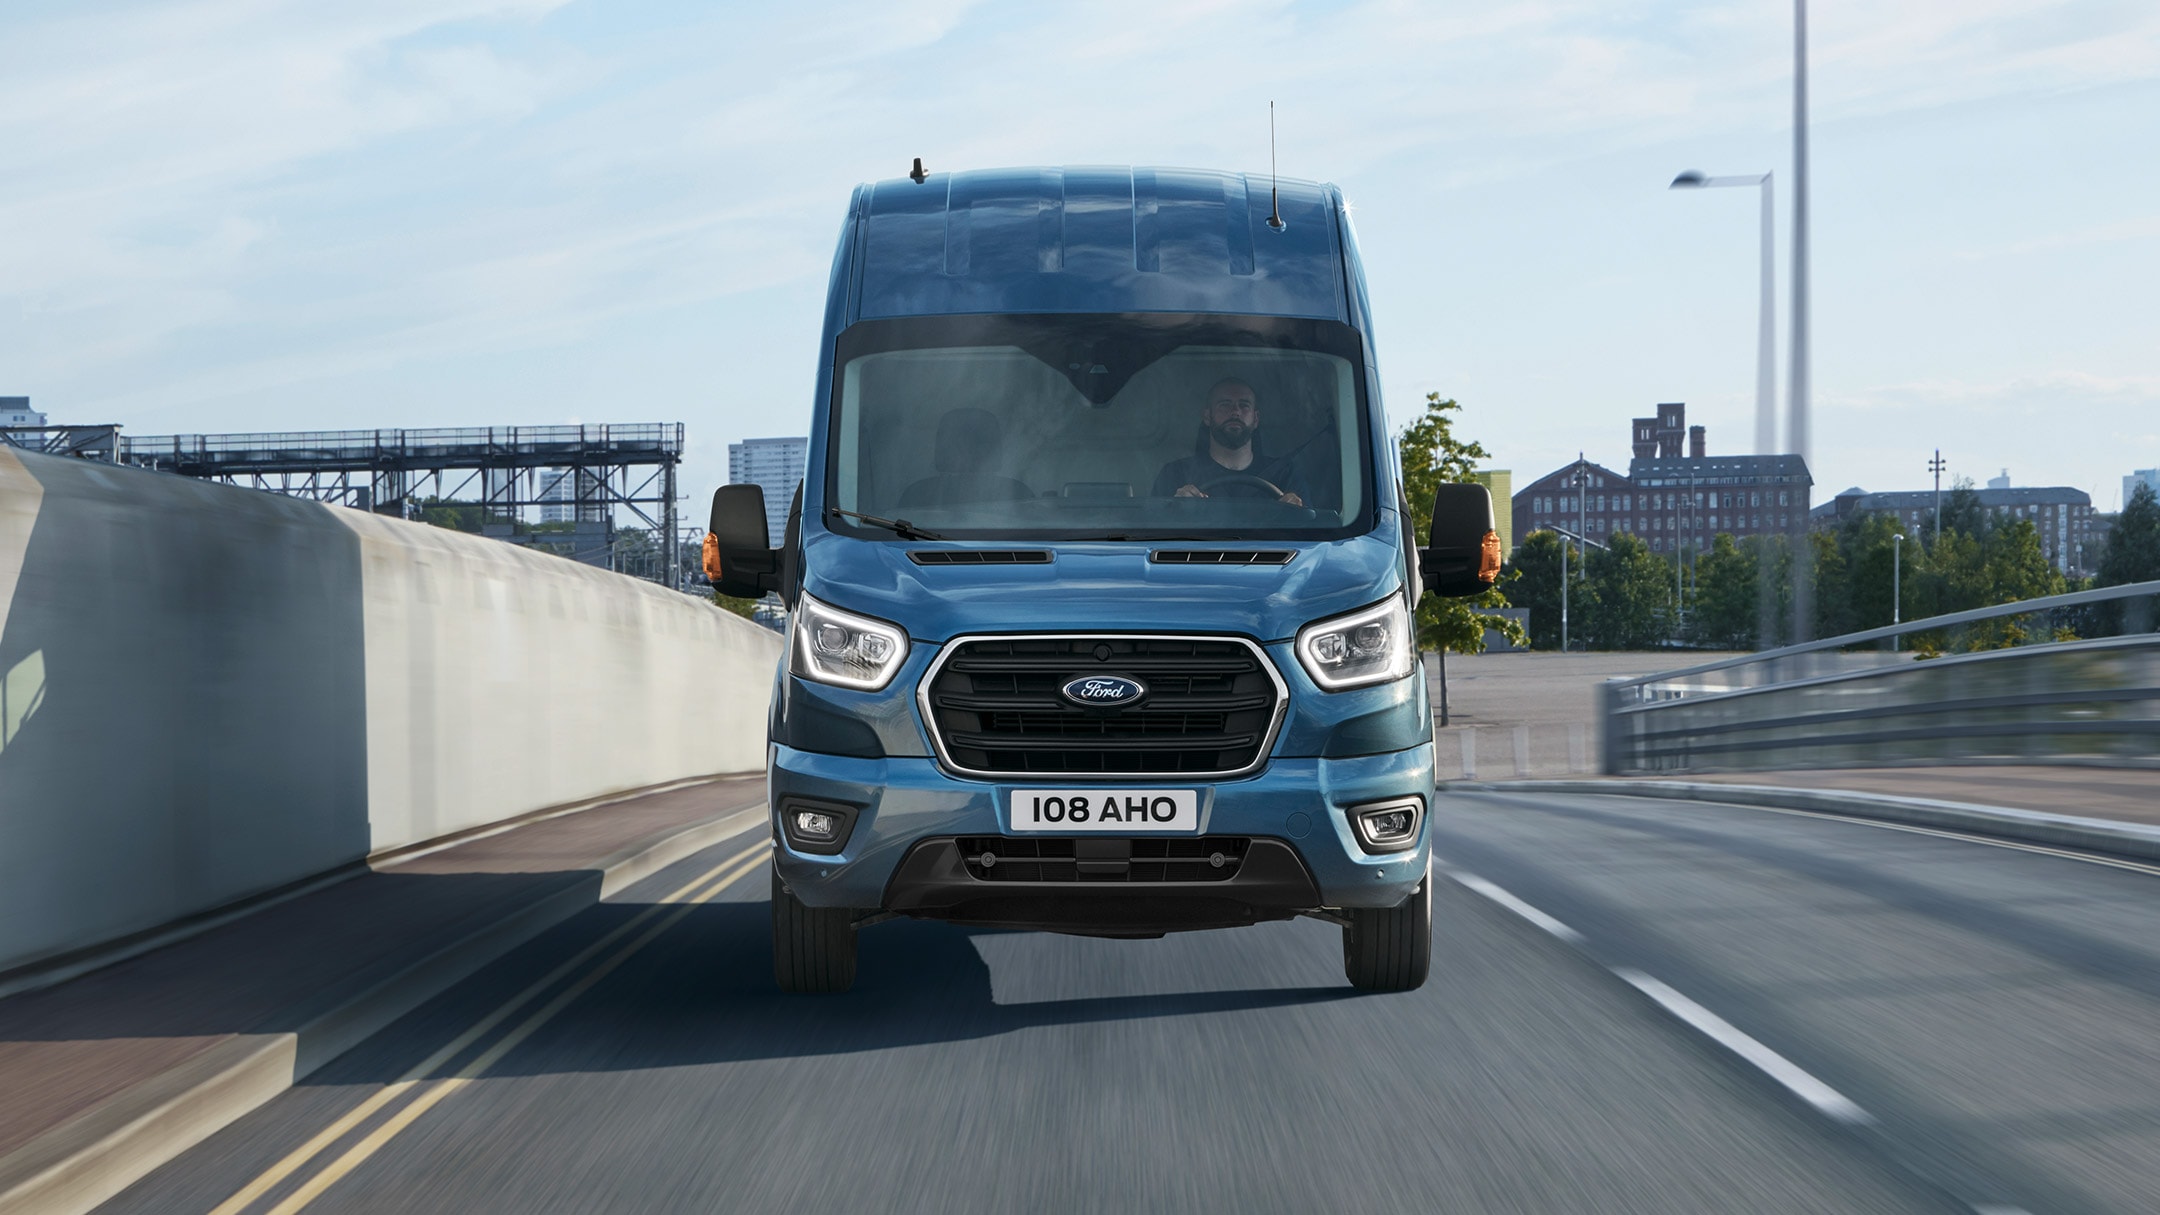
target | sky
[{"x": 236, "y": 215}]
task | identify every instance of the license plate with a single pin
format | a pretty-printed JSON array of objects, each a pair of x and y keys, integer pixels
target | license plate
[{"x": 1105, "y": 810}]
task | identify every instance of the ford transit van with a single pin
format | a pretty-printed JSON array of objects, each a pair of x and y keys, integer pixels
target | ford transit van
[{"x": 1100, "y": 578}]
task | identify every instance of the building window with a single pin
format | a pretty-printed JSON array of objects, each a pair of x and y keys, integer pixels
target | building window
[
  {"x": 1754, "y": 499},
  {"x": 1781, "y": 498}
]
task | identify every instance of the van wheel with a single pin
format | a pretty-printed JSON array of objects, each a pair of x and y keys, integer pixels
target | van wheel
[
  {"x": 1390, "y": 948},
  {"x": 813, "y": 948}
]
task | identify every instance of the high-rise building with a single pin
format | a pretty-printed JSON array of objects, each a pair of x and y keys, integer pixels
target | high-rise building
[
  {"x": 560, "y": 490},
  {"x": 775, "y": 466},
  {"x": 16, "y": 411},
  {"x": 2143, "y": 476}
]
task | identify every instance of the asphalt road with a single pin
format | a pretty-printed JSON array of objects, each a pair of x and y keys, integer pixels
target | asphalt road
[{"x": 1995, "y": 1013}]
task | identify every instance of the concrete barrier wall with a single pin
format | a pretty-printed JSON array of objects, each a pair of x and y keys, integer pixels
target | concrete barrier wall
[{"x": 207, "y": 692}]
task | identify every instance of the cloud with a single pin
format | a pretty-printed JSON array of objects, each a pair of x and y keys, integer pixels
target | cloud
[{"x": 224, "y": 196}]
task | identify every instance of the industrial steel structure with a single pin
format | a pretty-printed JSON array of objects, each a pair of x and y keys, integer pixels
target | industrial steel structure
[
  {"x": 504, "y": 470},
  {"x": 100, "y": 442}
]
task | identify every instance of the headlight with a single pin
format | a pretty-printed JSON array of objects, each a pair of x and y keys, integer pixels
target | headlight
[
  {"x": 836, "y": 647},
  {"x": 1368, "y": 646}
]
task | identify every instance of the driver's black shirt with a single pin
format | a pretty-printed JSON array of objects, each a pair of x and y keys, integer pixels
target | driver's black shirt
[{"x": 1200, "y": 468}]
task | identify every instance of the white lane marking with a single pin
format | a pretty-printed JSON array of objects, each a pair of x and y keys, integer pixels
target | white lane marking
[
  {"x": 1509, "y": 901},
  {"x": 1772, "y": 1064}
]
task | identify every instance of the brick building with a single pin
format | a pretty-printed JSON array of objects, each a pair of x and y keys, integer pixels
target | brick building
[{"x": 1674, "y": 495}]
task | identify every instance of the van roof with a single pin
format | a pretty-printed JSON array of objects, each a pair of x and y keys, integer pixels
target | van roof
[{"x": 1097, "y": 239}]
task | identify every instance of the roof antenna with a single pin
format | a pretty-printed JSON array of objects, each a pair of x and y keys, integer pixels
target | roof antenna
[
  {"x": 1274, "y": 219},
  {"x": 916, "y": 174}
]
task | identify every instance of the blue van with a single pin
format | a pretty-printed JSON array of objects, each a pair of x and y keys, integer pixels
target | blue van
[{"x": 1100, "y": 577}]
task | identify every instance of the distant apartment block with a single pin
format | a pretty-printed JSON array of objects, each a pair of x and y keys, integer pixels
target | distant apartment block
[
  {"x": 1675, "y": 496},
  {"x": 775, "y": 466},
  {"x": 16, "y": 411},
  {"x": 2063, "y": 516}
]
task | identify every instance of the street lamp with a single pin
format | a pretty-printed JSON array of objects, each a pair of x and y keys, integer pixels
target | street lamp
[
  {"x": 1800, "y": 351},
  {"x": 1575, "y": 481},
  {"x": 1765, "y": 351},
  {"x": 1936, "y": 466},
  {"x": 1766, "y": 311},
  {"x": 1897, "y": 596}
]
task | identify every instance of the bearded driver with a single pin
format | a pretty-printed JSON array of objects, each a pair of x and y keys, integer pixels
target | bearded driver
[{"x": 1231, "y": 417}]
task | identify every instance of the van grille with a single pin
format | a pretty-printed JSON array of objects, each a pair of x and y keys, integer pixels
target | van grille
[
  {"x": 1207, "y": 858},
  {"x": 1210, "y": 708}
]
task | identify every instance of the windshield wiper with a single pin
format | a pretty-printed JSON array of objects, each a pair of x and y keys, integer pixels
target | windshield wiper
[{"x": 898, "y": 527}]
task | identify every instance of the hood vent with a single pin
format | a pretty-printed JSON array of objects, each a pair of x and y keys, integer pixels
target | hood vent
[
  {"x": 979, "y": 556},
  {"x": 1202, "y": 556}
]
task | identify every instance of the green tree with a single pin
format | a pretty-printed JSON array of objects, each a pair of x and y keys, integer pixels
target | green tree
[
  {"x": 453, "y": 514},
  {"x": 1627, "y": 601},
  {"x": 1833, "y": 584},
  {"x": 1962, "y": 512},
  {"x": 1868, "y": 546},
  {"x": 1433, "y": 456},
  {"x": 2132, "y": 555},
  {"x": 1532, "y": 578},
  {"x": 1723, "y": 614},
  {"x": 2133, "y": 543},
  {"x": 735, "y": 603},
  {"x": 2014, "y": 567}
]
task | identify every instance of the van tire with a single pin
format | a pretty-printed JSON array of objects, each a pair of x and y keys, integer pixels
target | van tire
[
  {"x": 1390, "y": 948},
  {"x": 813, "y": 948}
]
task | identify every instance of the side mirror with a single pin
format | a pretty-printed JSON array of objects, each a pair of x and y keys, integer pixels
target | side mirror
[
  {"x": 1463, "y": 556},
  {"x": 748, "y": 568}
]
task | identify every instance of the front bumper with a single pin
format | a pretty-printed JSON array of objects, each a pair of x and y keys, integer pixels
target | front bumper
[{"x": 903, "y": 801}]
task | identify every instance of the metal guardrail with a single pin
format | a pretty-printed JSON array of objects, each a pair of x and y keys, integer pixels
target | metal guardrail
[{"x": 1823, "y": 704}]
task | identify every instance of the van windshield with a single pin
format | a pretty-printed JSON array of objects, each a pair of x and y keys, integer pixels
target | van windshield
[{"x": 1145, "y": 426}]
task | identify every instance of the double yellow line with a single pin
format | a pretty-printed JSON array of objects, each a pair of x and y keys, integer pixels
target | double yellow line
[{"x": 699, "y": 890}]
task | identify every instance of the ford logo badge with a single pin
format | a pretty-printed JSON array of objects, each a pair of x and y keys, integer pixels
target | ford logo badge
[{"x": 1103, "y": 691}]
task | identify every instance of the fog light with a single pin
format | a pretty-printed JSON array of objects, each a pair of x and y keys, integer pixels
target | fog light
[
  {"x": 817, "y": 827},
  {"x": 1390, "y": 826},
  {"x": 1384, "y": 828}
]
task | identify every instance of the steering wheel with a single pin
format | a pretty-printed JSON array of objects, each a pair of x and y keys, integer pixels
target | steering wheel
[{"x": 1244, "y": 481}]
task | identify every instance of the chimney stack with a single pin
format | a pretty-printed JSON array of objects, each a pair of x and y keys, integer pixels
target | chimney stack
[{"x": 1695, "y": 441}]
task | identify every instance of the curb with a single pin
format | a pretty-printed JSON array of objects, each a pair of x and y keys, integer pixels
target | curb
[
  {"x": 79, "y": 1164},
  {"x": 2026, "y": 826}
]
